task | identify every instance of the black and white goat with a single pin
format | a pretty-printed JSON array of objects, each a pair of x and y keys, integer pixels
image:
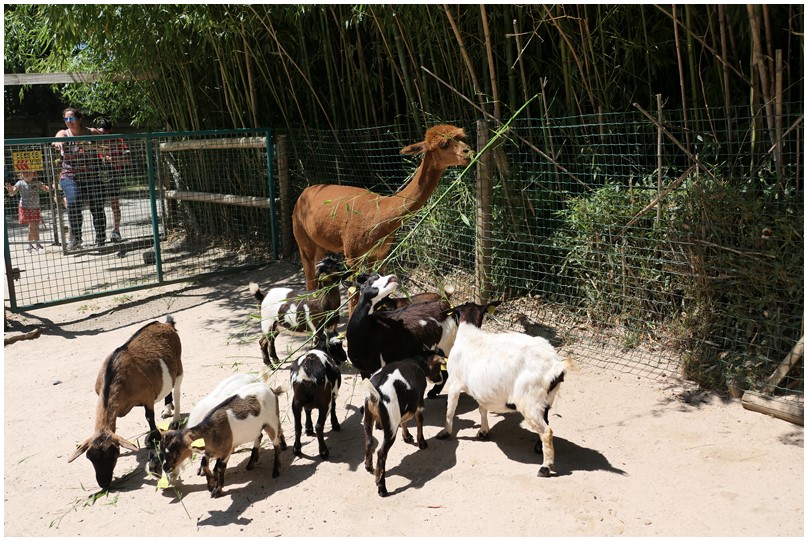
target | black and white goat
[
  {"x": 394, "y": 395},
  {"x": 139, "y": 373},
  {"x": 504, "y": 372},
  {"x": 378, "y": 337},
  {"x": 315, "y": 379},
  {"x": 240, "y": 418},
  {"x": 316, "y": 311}
]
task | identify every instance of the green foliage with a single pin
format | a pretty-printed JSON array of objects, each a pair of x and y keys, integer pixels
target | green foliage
[{"x": 201, "y": 66}]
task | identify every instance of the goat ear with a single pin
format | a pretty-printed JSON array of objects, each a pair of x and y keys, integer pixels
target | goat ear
[
  {"x": 123, "y": 442},
  {"x": 80, "y": 450},
  {"x": 416, "y": 148}
]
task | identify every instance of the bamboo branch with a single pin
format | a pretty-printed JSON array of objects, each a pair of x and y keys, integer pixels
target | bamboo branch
[{"x": 469, "y": 66}]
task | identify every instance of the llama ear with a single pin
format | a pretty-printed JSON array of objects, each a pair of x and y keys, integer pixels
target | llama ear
[{"x": 411, "y": 150}]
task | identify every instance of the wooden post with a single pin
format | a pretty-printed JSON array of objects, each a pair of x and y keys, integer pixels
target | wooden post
[
  {"x": 484, "y": 222},
  {"x": 285, "y": 197}
]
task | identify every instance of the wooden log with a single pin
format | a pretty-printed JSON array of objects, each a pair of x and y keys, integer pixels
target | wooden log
[
  {"x": 223, "y": 199},
  {"x": 25, "y": 336},
  {"x": 793, "y": 356},
  {"x": 782, "y": 409}
]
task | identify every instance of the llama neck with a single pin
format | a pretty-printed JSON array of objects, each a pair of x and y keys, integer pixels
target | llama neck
[{"x": 423, "y": 183}]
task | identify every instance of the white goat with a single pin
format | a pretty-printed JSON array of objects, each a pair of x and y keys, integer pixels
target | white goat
[{"x": 504, "y": 372}]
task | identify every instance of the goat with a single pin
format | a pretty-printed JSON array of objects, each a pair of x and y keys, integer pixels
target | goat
[
  {"x": 361, "y": 224},
  {"x": 240, "y": 418},
  {"x": 315, "y": 311},
  {"x": 376, "y": 338},
  {"x": 139, "y": 373},
  {"x": 315, "y": 379},
  {"x": 504, "y": 372},
  {"x": 393, "y": 395}
]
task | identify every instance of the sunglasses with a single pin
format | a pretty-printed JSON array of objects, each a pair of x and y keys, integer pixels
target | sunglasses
[{"x": 69, "y": 119}]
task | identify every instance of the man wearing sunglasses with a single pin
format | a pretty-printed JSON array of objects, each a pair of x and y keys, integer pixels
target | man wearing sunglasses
[{"x": 79, "y": 179}]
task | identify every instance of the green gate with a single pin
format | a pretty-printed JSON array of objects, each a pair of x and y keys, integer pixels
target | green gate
[{"x": 170, "y": 206}]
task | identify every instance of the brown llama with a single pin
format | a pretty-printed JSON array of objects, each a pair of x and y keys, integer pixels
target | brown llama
[{"x": 360, "y": 223}]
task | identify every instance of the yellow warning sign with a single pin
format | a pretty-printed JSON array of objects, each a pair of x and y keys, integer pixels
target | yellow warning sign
[{"x": 27, "y": 161}]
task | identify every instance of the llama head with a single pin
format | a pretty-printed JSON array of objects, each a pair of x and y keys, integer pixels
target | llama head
[{"x": 447, "y": 144}]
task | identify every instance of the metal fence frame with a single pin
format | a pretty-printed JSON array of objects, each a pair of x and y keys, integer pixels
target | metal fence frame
[{"x": 58, "y": 262}]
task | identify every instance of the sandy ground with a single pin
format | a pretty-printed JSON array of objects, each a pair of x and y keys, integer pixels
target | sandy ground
[{"x": 634, "y": 457}]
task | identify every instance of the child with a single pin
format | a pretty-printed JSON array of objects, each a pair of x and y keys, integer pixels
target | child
[{"x": 27, "y": 187}]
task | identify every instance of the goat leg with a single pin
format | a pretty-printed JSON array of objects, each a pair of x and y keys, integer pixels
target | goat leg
[
  {"x": 309, "y": 424},
  {"x": 368, "y": 424},
  {"x": 319, "y": 428},
  {"x": 381, "y": 461},
  {"x": 334, "y": 421},
  {"x": 405, "y": 434},
  {"x": 218, "y": 472},
  {"x": 419, "y": 423},
  {"x": 154, "y": 434},
  {"x": 482, "y": 434},
  {"x": 297, "y": 411},
  {"x": 254, "y": 452},
  {"x": 451, "y": 405}
]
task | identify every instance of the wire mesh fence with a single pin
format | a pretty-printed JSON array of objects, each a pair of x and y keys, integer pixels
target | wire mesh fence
[
  {"x": 643, "y": 243},
  {"x": 124, "y": 212}
]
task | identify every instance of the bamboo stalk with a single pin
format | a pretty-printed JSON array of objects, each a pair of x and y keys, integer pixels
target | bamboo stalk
[
  {"x": 492, "y": 74},
  {"x": 760, "y": 64},
  {"x": 682, "y": 85},
  {"x": 469, "y": 66}
]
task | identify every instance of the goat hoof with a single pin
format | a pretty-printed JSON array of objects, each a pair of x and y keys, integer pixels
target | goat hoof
[
  {"x": 442, "y": 435},
  {"x": 433, "y": 394},
  {"x": 423, "y": 444},
  {"x": 382, "y": 492},
  {"x": 336, "y": 427},
  {"x": 407, "y": 438},
  {"x": 544, "y": 471},
  {"x": 310, "y": 432},
  {"x": 369, "y": 466},
  {"x": 298, "y": 450},
  {"x": 216, "y": 492},
  {"x": 323, "y": 453},
  {"x": 482, "y": 435}
]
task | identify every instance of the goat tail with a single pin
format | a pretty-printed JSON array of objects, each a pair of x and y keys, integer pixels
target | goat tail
[
  {"x": 256, "y": 291},
  {"x": 170, "y": 321},
  {"x": 371, "y": 393},
  {"x": 279, "y": 390},
  {"x": 448, "y": 290}
]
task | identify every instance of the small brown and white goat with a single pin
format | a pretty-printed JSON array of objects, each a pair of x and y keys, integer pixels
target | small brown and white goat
[
  {"x": 139, "y": 373},
  {"x": 314, "y": 311},
  {"x": 240, "y": 418},
  {"x": 394, "y": 395},
  {"x": 504, "y": 372}
]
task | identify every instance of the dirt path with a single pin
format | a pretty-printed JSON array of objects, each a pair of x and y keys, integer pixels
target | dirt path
[{"x": 634, "y": 457}]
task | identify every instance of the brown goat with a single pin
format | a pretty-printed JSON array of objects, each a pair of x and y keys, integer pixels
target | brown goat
[
  {"x": 139, "y": 373},
  {"x": 357, "y": 222}
]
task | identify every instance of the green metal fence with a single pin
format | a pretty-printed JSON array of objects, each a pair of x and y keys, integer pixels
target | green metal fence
[{"x": 189, "y": 204}]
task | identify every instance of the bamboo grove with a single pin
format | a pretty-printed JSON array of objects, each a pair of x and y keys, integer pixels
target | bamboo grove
[{"x": 344, "y": 66}]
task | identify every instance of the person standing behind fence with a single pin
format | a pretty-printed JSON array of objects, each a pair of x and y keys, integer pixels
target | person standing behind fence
[
  {"x": 114, "y": 158},
  {"x": 80, "y": 178},
  {"x": 29, "y": 214}
]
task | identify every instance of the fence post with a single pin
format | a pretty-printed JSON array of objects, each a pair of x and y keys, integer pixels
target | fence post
[
  {"x": 285, "y": 196},
  {"x": 484, "y": 184}
]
